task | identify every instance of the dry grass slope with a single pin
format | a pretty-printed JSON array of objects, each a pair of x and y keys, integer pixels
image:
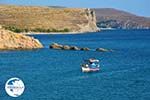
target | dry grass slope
[{"x": 32, "y": 18}]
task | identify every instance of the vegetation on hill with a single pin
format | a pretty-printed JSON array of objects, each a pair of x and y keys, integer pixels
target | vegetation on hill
[{"x": 19, "y": 30}]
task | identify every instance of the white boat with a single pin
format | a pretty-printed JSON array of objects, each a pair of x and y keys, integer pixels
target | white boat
[{"x": 90, "y": 65}]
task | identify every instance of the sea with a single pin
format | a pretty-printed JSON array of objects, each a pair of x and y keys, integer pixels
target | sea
[{"x": 50, "y": 74}]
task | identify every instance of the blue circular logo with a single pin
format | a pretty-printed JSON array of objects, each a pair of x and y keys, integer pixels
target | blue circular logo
[{"x": 14, "y": 87}]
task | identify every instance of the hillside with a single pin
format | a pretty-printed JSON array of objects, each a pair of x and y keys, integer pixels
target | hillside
[
  {"x": 47, "y": 19},
  {"x": 108, "y": 17}
]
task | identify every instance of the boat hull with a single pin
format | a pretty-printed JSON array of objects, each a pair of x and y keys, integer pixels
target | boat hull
[{"x": 90, "y": 69}]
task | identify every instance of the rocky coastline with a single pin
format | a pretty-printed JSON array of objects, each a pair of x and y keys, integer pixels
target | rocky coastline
[{"x": 13, "y": 41}]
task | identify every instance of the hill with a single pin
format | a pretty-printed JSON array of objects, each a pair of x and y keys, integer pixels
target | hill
[
  {"x": 47, "y": 19},
  {"x": 112, "y": 18}
]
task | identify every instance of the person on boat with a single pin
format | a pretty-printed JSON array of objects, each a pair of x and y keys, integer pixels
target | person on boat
[
  {"x": 85, "y": 65},
  {"x": 93, "y": 65}
]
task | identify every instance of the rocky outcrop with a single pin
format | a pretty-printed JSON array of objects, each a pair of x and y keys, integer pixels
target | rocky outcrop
[
  {"x": 46, "y": 19},
  {"x": 58, "y": 46},
  {"x": 12, "y": 41},
  {"x": 103, "y": 50},
  {"x": 67, "y": 47},
  {"x": 90, "y": 26},
  {"x": 85, "y": 49}
]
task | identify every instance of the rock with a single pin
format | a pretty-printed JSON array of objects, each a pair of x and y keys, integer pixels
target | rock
[
  {"x": 91, "y": 22},
  {"x": 85, "y": 49},
  {"x": 102, "y": 50},
  {"x": 66, "y": 47},
  {"x": 74, "y": 48},
  {"x": 56, "y": 46},
  {"x": 11, "y": 41}
]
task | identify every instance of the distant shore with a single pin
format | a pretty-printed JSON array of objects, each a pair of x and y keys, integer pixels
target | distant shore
[{"x": 40, "y": 33}]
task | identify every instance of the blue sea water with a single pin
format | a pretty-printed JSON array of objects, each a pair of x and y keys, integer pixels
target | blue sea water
[{"x": 56, "y": 75}]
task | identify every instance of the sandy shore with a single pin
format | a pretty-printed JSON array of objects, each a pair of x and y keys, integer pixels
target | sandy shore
[{"x": 38, "y": 33}]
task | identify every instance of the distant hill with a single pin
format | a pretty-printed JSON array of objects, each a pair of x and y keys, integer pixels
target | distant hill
[
  {"x": 47, "y": 19},
  {"x": 56, "y": 7},
  {"x": 112, "y": 18}
]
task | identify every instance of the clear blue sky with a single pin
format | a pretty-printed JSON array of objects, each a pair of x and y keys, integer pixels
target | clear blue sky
[{"x": 138, "y": 7}]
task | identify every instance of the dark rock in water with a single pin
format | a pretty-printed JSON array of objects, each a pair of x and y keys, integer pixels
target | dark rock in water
[
  {"x": 85, "y": 49},
  {"x": 66, "y": 47},
  {"x": 102, "y": 50},
  {"x": 74, "y": 48},
  {"x": 56, "y": 46},
  {"x": 63, "y": 47}
]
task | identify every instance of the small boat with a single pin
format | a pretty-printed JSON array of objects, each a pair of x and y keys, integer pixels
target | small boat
[{"x": 90, "y": 65}]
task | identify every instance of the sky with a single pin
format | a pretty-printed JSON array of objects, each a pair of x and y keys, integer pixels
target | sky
[{"x": 138, "y": 7}]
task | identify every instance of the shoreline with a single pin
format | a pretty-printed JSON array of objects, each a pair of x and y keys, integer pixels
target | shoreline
[
  {"x": 55, "y": 33},
  {"x": 73, "y": 33}
]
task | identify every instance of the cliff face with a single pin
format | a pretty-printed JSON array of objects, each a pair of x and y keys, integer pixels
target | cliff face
[
  {"x": 10, "y": 41},
  {"x": 90, "y": 26},
  {"x": 49, "y": 19}
]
